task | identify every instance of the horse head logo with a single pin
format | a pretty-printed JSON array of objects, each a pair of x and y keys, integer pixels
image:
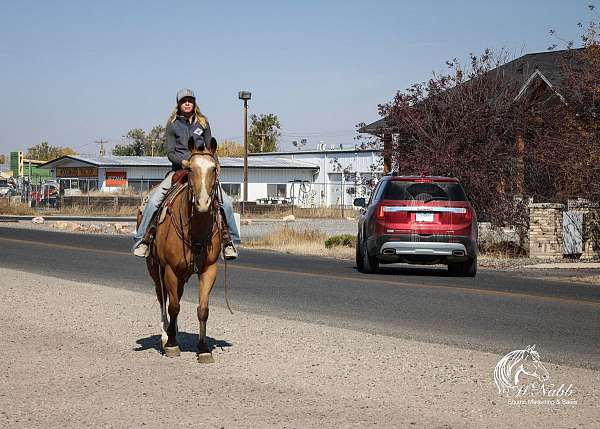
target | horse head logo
[{"x": 516, "y": 364}]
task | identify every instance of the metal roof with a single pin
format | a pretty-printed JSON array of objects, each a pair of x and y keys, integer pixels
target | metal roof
[
  {"x": 159, "y": 161},
  {"x": 300, "y": 152}
]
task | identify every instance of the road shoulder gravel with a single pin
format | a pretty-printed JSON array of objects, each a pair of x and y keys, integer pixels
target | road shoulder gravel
[{"x": 79, "y": 354}]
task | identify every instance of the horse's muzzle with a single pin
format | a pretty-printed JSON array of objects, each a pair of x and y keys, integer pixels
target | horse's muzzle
[{"x": 202, "y": 205}]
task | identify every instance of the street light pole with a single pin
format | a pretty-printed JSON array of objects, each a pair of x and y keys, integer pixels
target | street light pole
[{"x": 245, "y": 95}]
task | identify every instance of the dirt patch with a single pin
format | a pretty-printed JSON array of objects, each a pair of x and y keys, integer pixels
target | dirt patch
[{"x": 79, "y": 355}]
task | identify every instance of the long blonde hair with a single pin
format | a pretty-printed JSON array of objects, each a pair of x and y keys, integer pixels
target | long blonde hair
[{"x": 200, "y": 118}]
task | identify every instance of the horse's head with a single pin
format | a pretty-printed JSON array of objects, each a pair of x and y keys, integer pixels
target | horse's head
[
  {"x": 532, "y": 365},
  {"x": 203, "y": 175}
]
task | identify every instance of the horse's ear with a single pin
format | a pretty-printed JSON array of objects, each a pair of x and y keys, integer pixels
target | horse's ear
[
  {"x": 191, "y": 144},
  {"x": 213, "y": 145}
]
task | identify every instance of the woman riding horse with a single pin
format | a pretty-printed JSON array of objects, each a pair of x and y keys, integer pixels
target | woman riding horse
[{"x": 185, "y": 122}]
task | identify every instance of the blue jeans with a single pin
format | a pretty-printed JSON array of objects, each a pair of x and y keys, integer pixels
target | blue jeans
[{"x": 157, "y": 195}]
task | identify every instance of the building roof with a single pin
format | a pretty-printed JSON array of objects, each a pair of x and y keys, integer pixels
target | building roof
[
  {"x": 546, "y": 66},
  {"x": 315, "y": 151},
  {"x": 158, "y": 161},
  {"x": 548, "y": 63}
]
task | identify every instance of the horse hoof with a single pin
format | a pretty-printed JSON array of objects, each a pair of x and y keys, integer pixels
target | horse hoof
[
  {"x": 205, "y": 358},
  {"x": 172, "y": 351}
]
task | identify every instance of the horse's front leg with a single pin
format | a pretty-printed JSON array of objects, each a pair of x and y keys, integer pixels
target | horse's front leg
[
  {"x": 172, "y": 284},
  {"x": 207, "y": 280}
]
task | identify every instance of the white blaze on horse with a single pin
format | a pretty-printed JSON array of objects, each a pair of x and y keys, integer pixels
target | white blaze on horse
[
  {"x": 517, "y": 364},
  {"x": 188, "y": 241}
]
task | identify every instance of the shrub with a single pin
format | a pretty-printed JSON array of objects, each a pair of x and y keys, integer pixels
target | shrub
[
  {"x": 503, "y": 249},
  {"x": 344, "y": 240}
]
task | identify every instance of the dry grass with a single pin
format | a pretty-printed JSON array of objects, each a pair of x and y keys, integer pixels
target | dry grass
[
  {"x": 309, "y": 213},
  {"x": 21, "y": 209},
  {"x": 286, "y": 236},
  {"x": 299, "y": 242},
  {"x": 96, "y": 211}
]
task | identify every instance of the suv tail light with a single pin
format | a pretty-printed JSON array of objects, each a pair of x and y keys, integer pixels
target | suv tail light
[
  {"x": 380, "y": 212},
  {"x": 468, "y": 214}
]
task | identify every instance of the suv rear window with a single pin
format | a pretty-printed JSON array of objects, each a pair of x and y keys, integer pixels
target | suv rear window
[{"x": 423, "y": 191}]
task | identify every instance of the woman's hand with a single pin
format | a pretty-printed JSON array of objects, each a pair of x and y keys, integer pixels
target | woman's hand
[{"x": 185, "y": 164}]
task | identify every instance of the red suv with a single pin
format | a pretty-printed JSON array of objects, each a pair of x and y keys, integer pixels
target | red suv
[{"x": 417, "y": 220}]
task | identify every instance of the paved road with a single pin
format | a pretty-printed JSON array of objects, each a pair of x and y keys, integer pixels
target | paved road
[{"x": 496, "y": 312}]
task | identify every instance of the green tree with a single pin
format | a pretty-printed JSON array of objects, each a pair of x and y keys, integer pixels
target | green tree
[
  {"x": 231, "y": 149},
  {"x": 156, "y": 141},
  {"x": 264, "y": 132},
  {"x": 140, "y": 143},
  {"x": 45, "y": 151}
]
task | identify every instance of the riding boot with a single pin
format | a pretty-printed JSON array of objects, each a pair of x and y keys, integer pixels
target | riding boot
[{"x": 229, "y": 250}]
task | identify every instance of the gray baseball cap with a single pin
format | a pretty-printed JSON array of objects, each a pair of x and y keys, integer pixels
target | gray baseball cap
[{"x": 182, "y": 93}]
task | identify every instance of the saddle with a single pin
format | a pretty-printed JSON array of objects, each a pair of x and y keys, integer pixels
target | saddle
[{"x": 179, "y": 182}]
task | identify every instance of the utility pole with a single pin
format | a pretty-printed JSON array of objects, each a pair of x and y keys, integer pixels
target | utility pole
[
  {"x": 152, "y": 143},
  {"x": 101, "y": 143},
  {"x": 245, "y": 96}
]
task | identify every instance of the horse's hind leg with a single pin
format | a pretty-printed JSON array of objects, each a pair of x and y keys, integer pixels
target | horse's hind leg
[
  {"x": 172, "y": 285},
  {"x": 207, "y": 281},
  {"x": 157, "y": 274}
]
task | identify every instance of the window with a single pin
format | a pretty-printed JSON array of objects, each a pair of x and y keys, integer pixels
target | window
[
  {"x": 233, "y": 190},
  {"x": 276, "y": 190},
  {"x": 400, "y": 190}
]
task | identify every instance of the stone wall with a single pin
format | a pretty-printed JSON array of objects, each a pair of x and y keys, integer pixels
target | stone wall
[
  {"x": 546, "y": 227},
  {"x": 545, "y": 230}
]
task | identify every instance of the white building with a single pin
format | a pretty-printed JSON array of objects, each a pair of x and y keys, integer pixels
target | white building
[
  {"x": 310, "y": 178},
  {"x": 110, "y": 173},
  {"x": 330, "y": 187}
]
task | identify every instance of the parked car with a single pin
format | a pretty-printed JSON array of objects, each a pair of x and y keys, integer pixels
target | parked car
[{"x": 417, "y": 220}]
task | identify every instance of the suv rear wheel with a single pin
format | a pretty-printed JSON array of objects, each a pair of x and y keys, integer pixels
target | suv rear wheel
[
  {"x": 369, "y": 264},
  {"x": 358, "y": 255},
  {"x": 465, "y": 269}
]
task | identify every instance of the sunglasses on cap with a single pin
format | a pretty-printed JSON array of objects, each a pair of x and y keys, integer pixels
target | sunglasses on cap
[{"x": 187, "y": 100}]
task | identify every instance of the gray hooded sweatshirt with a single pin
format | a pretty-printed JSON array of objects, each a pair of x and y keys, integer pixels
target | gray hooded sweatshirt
[{"x": 178, "y": 133}]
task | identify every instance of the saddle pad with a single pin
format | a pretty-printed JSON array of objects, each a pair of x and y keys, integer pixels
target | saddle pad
[{"x": 180, "y": 176}]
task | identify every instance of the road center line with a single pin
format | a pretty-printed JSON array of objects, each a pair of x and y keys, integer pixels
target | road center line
[{"x": 334, "y": 277}]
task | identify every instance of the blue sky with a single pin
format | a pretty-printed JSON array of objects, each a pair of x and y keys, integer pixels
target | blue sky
[{"x": 72, "y": 72}]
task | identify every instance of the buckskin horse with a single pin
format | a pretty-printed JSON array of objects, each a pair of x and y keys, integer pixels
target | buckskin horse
[{"x": 187, "y": 240}]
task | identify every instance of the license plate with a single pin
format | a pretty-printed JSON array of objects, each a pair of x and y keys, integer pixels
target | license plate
[{"x": 424, "y": 217}]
